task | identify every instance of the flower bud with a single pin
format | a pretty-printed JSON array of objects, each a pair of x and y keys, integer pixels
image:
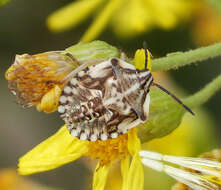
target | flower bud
[
  {"x": 165, "y": 116},
  {"x": 32, "y": 76}
]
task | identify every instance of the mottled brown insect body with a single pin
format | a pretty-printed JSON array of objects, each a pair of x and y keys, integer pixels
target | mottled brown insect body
[{"x": 105, "y": 100}]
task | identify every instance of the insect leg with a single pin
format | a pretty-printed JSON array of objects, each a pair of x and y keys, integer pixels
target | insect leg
[{"x": 80, "y": 68}]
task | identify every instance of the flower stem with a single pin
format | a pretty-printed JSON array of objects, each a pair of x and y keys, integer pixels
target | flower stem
[
  {"x": 203, "y": 95},
  {"x": 178, "y": 59}
]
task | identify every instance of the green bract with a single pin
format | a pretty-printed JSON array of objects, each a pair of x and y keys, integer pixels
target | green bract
[
  {"x": 165, "y": 116},
  {"x": 93, "y": 51}
]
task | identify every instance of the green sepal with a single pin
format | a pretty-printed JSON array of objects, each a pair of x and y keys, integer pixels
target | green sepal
[
  {"x": 165, "y": 116},
  {"x": 95, "y": 50}
]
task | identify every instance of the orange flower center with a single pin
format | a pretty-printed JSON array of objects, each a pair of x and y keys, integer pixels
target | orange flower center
[{"x": 108, "y": 150}]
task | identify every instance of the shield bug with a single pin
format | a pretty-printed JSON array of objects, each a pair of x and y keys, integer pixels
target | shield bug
[{"x": 102, "y": 101}]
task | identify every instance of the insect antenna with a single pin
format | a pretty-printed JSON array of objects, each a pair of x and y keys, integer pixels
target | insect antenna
[{"x": 173, "y": 96}]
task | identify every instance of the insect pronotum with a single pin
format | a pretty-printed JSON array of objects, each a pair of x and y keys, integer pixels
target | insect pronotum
[{"x": 102, "y": 101}]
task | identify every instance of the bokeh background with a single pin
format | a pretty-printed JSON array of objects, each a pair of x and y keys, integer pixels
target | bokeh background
[{"x": 23, "y": 30}]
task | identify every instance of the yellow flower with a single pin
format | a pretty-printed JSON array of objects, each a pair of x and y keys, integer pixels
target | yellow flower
[
  {"x": 128, "y": 17},
  {"x": 62, "y": 148}
]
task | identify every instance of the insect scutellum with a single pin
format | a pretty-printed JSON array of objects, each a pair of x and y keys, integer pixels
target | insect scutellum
[{"x": 104, "y": 100}]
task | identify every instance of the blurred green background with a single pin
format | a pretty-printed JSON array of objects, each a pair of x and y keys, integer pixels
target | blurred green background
[{"x": 23, "y": 30}]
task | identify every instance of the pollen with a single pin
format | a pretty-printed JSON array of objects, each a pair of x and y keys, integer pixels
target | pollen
[
  {"x": 109, "y": 150},
  {"x": 32, "y": 76}
]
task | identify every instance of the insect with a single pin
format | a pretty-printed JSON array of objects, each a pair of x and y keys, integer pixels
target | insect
[{"x": 105, "y": 100}]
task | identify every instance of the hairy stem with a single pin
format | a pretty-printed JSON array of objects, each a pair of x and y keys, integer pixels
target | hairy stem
[
  {"x": 203, "y": 95},
  {"x": 178, "y": 59}
]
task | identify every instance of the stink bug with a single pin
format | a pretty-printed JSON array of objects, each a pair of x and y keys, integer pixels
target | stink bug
[{"x": 105, "y": 100}]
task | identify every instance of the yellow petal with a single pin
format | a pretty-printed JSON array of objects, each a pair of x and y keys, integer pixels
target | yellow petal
[
  {"x": 50, "y": 100},
  {"x": 59, "y": 149},
  {"x": 124, "y": 172},
  {"x": 166, "y": 14},
  {"x": 100, "y": 176},
  {"x": 134, "y": 145},
  {"x": 139, "y": 59},
  {"x": 133, "y": 176},
  {"x": 71, "y": 15},
  {"x": 136, "y": 174},
  {"x": 101, "y": 20},
  {"x": 132, "y": 19}
]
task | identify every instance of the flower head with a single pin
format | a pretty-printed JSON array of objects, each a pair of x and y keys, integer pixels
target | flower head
[
  {"x": 128, "y": 17},
  {"x": 62, "y": 148}
]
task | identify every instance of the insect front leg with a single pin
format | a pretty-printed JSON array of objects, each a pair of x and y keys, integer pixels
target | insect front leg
[{"x": 81, "y": 67}]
